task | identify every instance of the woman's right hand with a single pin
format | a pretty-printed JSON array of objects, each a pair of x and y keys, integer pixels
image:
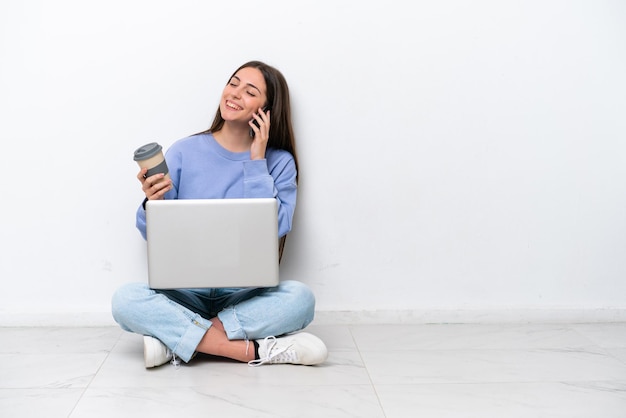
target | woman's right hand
[{"x": 154, "y": 186}]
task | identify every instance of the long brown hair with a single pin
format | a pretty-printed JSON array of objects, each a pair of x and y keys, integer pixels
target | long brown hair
[{"x": 281, "y": 129}]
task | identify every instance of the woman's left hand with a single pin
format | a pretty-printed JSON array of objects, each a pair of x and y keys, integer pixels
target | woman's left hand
[{"x": 261, "y": 134}]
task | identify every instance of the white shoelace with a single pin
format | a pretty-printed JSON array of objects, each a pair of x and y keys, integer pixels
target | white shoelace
[{"x": 275, "y": 354}]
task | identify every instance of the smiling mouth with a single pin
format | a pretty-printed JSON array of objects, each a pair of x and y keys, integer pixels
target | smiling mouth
[{"x": 233, "y": 106}]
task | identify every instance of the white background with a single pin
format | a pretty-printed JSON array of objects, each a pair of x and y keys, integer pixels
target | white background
[{"x": 455, "y": 156}]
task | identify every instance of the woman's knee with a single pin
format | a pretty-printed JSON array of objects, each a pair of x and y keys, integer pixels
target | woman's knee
[
  {"x": 302, "y": 297},
  {"x": 124, "y": 299}
]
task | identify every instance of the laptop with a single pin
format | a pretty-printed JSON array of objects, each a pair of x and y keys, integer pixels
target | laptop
[{"x": 212, "y": 243}]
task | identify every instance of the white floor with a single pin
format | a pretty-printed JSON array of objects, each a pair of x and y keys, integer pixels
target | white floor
[{"x": 393, "y": 371}]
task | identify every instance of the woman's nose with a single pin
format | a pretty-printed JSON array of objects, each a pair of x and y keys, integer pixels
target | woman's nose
[{"x": 238, "y": 91}]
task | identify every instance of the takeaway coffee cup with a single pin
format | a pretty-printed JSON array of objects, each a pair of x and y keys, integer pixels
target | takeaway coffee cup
[{"x": 151, "y": 157}]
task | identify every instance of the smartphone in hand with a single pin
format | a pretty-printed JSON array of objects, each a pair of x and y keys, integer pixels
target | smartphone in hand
[{"x": 252, "y": 133}]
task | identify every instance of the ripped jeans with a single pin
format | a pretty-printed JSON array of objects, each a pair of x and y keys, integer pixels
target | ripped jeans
[{"x": 180, "y": 318}]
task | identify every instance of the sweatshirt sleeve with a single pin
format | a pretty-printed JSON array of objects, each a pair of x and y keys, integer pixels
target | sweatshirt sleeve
[
  {"x": 274, "y": 177},
  {"x": 140, "y": 221}
]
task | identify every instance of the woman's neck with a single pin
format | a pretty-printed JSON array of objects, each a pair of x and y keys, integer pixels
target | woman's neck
[{"x": 233, "y": 139}]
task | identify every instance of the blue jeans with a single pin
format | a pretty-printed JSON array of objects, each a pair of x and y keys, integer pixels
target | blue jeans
[{"x": 180, "y": 318}]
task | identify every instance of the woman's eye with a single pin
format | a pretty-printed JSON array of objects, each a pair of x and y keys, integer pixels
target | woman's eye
[{"x": 251, "y": 93}]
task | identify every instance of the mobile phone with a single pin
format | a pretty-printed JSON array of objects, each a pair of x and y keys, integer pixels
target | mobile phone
[{"x": 252, "y": 133}]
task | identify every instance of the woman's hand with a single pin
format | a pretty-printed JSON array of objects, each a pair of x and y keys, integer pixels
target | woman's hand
[
  {"x": 154, "y": 186},
  {"x": 261, "y": 134}
]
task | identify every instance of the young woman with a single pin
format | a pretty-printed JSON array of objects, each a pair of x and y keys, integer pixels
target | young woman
[{"x": 248, "y": 152}]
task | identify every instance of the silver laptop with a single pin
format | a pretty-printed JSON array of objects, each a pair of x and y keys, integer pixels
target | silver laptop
[{"x": 200, "y": 243}]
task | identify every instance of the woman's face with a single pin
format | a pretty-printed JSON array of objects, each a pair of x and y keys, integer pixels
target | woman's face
[{"x": 244, "y": 94}]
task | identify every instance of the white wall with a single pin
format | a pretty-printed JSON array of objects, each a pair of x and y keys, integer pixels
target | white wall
[{"x": 455, "y": 156}]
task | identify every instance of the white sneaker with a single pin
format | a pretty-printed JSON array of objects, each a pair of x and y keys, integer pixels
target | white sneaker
[
  {"x": 155, "y": 353},
  {"x": 302, "y": 348}
]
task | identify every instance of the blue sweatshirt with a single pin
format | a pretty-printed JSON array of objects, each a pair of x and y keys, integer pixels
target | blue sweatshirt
[{"x": 201, "y": 168}]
